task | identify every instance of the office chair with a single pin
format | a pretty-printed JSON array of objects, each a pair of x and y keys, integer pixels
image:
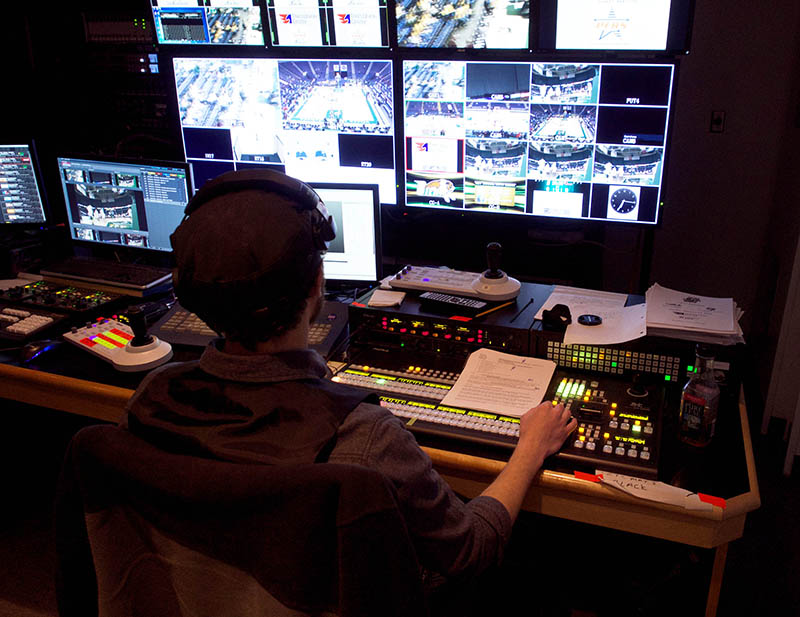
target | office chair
[{"x": 143, "y": 532}]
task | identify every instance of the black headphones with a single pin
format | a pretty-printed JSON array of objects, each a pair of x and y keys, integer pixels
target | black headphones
[{"x": 303, "y": 197}]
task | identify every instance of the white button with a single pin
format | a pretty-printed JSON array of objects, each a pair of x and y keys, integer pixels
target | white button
[
  {"x": 578, "y": 443},
  {"x": 608, "y": 449},
  {"x": 645, "y": 456},
  {"x": 620, "y": 451},
  {"x": 632, "y": 453}
]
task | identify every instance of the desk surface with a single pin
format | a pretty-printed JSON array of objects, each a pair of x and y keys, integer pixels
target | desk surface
[{"x": 553, "y": 493}]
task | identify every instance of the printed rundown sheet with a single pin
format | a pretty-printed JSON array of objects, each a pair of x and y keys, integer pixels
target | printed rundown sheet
[{"x": 501, "y": 383}]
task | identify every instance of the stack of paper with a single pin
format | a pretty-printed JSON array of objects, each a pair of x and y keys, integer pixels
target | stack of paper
[{"x": 692, "y": 317}]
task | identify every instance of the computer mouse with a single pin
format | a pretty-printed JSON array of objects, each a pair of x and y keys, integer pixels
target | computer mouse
[{"x": 34, "y": 349}]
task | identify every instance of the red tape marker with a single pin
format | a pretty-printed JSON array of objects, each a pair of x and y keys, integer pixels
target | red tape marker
[
  {"x": 589, "y": 477},
  {"x": 714, "y": 501}
]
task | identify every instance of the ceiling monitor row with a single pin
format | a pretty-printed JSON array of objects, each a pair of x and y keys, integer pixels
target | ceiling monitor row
[{"x": 545, "y": 25}]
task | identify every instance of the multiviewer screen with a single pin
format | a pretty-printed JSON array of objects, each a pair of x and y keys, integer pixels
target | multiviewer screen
[
  {"x": 354, "y": 253},
  {"x": 320, "y": 23},
  {"x": 20, "y": 199},
  {"x": 319, "y": 120},
  {"x": 208, "y": 22},
  {"x": 577, "y": 141},
  {"x": 123, "y": 204}
]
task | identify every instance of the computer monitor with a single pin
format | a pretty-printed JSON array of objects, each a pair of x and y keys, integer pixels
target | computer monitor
[
  {"x": 21, "y": 201},
  {"x": 552, "y": 139},
  {"x": 319, "y": 120},
  {"x": 354, "y": 257},
  {"x": 208, "y": 22},
  {"x": 124, "y": 203},
  {"x": 328, "y": 23}
]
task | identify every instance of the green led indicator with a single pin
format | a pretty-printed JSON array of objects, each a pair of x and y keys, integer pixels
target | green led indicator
[
  {"x": 667, "y": 378},
  {"x": 690, "y": 369},
  {"x": 614, "y": 364}
]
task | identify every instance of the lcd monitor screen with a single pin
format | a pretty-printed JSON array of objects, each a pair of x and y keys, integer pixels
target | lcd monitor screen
[
  {"x": 354, "y": 255},
  {"x": 317, "y": 120},
  {"x": 20, "y": 195},
  {"x": 566, "y": 140},
  {"x": 124, "y": 203},
  {"x": 614, "y": 25},
  {"x": 490, "y": 24},
  {"x": 208, "y": 22},
  {"x": 322, "y": 23}
]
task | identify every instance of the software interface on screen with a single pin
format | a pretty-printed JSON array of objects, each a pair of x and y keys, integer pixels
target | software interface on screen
[
  {"x": 20, "y": 198},
  {"x": 578, "y": 141},
  {"x": 612, "y": 24},
  {"x": 340, "y": 23},
  {"x": 319, "y": 120},
  {"x": 495, "y": 24},
  {"x": 123, "y": 204},
  {"x": 354, "y": 253},
  {"x": 208, "y": 22}
]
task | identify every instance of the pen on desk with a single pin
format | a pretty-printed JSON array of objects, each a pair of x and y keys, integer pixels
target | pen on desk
[
  {"x": 496, "y": 308},
  {"x": 521, "y": 310}
]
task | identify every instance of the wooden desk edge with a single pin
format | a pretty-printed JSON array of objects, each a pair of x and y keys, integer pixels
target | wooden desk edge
[{"x": 106, "y": 402}]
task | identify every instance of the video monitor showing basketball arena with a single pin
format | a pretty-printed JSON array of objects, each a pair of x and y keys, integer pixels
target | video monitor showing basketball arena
[
  {"x": 208, "y": 22},
  {"x": 323, "y": 23},
  {"x": 489, "y": 24},
  {"x": 575, "y": 141},
  {"x": 316, "y": 120},
  {"x": 124, "y": 203}
]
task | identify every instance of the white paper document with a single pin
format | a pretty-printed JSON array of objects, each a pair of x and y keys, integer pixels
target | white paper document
[
  {"x": 501, "y": 383},
  {"x": 668, "y": 308},
  {"x": 654, "y": 491},
  {"x": 619, "y": 325},
  {"x": 582, "y": 301}
]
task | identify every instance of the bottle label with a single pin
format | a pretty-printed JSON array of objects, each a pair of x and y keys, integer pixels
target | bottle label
[{"x": 692, "y": 411}]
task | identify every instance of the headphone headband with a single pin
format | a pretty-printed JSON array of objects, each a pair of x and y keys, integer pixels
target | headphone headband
[{"x": 303, "y": 197}]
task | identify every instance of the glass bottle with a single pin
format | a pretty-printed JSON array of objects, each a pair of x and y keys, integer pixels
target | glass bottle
[{"x": 699, "y": 401}]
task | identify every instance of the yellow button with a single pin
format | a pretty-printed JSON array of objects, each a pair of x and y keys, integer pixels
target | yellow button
[
  {"x": 606, "y": 435},
  {"x": 613, "y": 405},
  {"x": 582, "y": 437},
  {"x": 585, "y": 399},
  {"x": 612, "y": 412},
  {"x": 638, "y": 422},
  {"x": 581, "y": 430}
]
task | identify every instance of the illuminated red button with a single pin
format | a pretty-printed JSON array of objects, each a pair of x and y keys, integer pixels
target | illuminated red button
[
  {"x": 124, "y": 335},
  {"x": 88, "y": 342}
]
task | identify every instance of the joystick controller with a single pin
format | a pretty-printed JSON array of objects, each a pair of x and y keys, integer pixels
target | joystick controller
[
  {"x": 127, "y": 347},
  {"x": 493, "y": 282}
]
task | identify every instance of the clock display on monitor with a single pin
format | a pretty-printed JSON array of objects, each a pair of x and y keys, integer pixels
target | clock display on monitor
[{"x": 623, "y": 202}]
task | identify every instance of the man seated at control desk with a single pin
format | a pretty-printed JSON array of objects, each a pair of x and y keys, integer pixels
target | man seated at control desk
[{"x": 249, "y": 263}]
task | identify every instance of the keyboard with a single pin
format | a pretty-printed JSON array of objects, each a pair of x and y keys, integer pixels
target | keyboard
[
  {"x": 181, "y": 327},
  {"x": 22, "y": 324},
  {"x": 132, "y": 276}
]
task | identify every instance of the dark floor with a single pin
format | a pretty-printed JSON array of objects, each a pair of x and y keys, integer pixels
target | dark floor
[{"x": 553, "y": 567}]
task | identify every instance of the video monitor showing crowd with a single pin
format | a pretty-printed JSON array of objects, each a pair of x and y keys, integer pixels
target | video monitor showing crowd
[
  {"x": 462, "y": 24},
  {"x": 567, "y": 140},
  {"x": 318, "y": 120},
  {"x": 208, "y": 22},
  {"x": 322, "y": 23},
  {"x": 124, "y": 203}
]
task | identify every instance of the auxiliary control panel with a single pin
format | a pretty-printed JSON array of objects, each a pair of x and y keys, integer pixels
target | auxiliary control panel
[
  {"x": 450, "y": 331},
  {"x": 619, "y": 422}
]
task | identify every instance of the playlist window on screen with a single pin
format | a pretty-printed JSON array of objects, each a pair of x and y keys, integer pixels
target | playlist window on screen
[{"x": 208, "y": 143}]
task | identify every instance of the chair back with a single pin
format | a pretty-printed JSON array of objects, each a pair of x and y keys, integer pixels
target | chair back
[{"x": 145, "y": 532}]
